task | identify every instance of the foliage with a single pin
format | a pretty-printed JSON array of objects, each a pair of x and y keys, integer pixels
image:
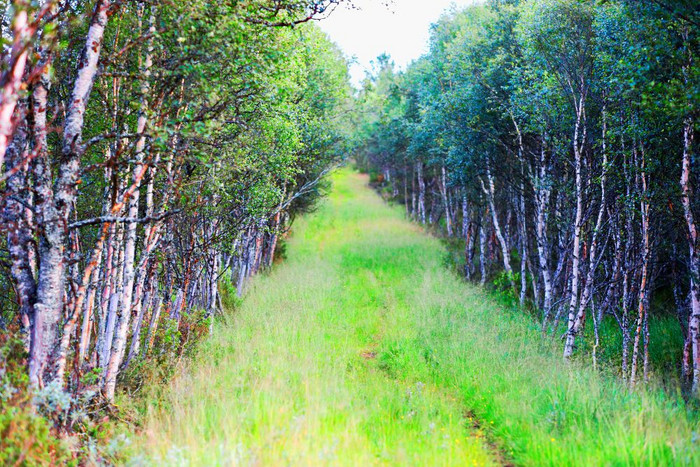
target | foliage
[
  {"x": 560, "y": 135},
  {"x": 150, "y": 152}
]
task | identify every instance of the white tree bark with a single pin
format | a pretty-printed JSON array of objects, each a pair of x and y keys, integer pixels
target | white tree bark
[
  {"x": 55, "y": 207},
  {"x": 16, "y": 224},
  {"x": 445, "y": 201},
  {"x": 421, "y": 192},
  {"x": 576, "y": 250},
  {"x": 11, "y": 80},
  {"x": 693, "y": 253},
  {"x": 139, "y": 171},
  {"x": 593, "y": 251},
  {"x": 542, "y": 197},
  {"x": 489, "y": 189}
]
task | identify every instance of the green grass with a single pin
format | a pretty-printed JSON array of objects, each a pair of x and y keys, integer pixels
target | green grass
[{"x": 362, "y": 348}]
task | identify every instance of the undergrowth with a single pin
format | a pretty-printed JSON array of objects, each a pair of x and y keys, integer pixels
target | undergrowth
[{"x": 55, "y": 426}]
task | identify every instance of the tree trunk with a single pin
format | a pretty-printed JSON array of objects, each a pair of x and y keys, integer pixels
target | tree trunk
[
  {"x": 445, "y": 202},
  {"x": 139, "y": 171},
  {"x": 55, "y": 208},
  {"x": 643, "y": 301},
  {"x": 593, "y": 252},
  {"x": 522, "y": 211},
  {"x": 576, "y": 250},
  {"x": 483, "y": 247},
  {"x": 19, "y": 235},
  {"x": 542, "y": 197},
  {"x": 489, "y": 190},
  {"x": 467, "y": 232},
  {"x": 421, "y": 192},
  {"x": 413, "y": 193},
  {"x": 155, "y": 317},
  {"x": 693, "y": 253},
  {"x": 11, "y": 80}
]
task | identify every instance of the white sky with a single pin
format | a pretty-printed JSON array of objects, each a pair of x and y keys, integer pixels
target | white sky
[{"x": 400, "y": 28}]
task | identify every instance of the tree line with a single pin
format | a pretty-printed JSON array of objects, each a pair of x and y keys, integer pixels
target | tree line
[
  {"x": 557, "y": 139},
  {"x": 151, "y": 151}
]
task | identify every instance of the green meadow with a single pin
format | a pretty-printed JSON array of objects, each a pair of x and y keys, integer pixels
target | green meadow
[{"x": 363, "y": 348}]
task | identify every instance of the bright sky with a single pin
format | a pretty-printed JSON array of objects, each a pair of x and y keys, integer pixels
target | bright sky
[{"x": 400, "y": 28}]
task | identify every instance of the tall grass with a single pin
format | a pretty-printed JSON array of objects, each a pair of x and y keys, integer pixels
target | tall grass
[{"x": 361, "y": 348}]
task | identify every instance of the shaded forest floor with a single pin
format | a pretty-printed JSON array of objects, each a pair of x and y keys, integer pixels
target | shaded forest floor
[{"x": 363, "y": 348}]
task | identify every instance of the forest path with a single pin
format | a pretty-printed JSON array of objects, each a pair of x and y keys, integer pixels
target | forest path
[{"x": 329, "y": 359}]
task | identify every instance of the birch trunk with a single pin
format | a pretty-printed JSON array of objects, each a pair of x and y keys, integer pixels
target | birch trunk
[
  {"x": 483, "y": 247},
  {"x": 542, "y": 197},
  {"x": 413, "y": 193},
  {"x": 88, "y": 317},
  {"x": 124, "y": 313},
  {"x": 155, "y": 317},
  {"x": 405, "y": 189},
  {"x": 693, "y": 253},
  {"x": 523, "y": 238},
  {"x": 468, "y": 234},
  {"x": 11, "y": 80},
  {"x": 593, "y": 253},
  {"x": 641, "y": 331},
  {"x": 445, "y": 201},
  {"x": 55, "y": 208},
  {"x": 576, "y": 250},
  {"x": 19, "y": 237},
  {"x": 421, "y": 192},
  {"x": 489, "y": 190},
  {"x": 49, "y": 285}
]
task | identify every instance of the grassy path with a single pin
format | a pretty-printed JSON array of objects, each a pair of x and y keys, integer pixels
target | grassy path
[{"x": 361, "y": 348}]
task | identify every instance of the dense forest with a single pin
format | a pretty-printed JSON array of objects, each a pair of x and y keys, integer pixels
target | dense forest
[
  {"x": 149, "y": 152},
  {"x": 557, "y": 140},
  {"x": 154, "y": 155}
]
